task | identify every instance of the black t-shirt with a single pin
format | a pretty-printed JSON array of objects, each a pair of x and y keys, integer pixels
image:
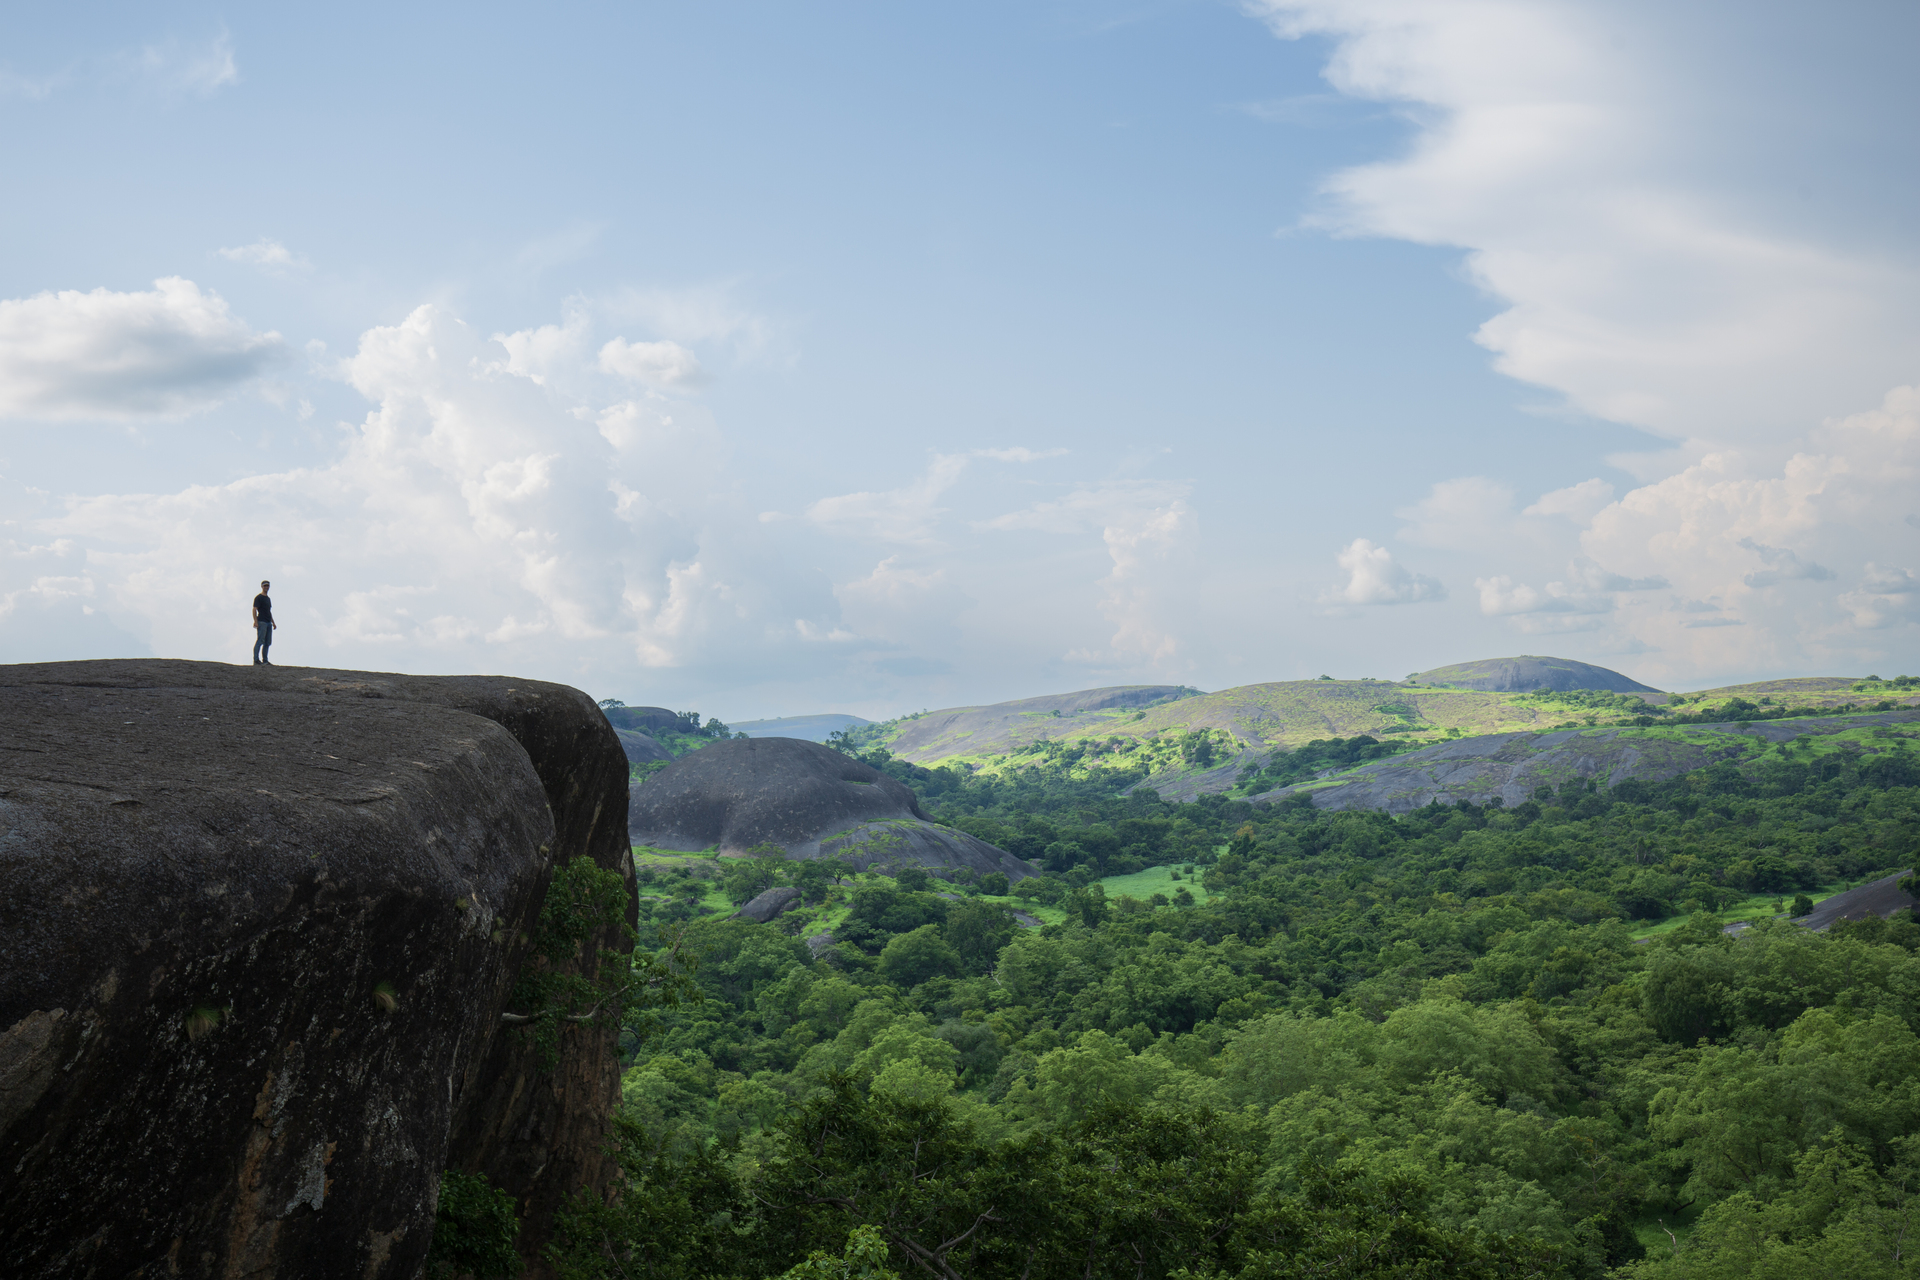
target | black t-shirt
[{"x": 265, "y": 606}]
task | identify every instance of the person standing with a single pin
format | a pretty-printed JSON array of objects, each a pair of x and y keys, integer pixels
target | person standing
[{"x": 263, "y": 626}]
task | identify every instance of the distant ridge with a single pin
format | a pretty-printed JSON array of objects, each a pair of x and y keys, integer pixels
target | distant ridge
[
  {"x": 807, "y": 728},
  {"x": 1528, "y": 673}
]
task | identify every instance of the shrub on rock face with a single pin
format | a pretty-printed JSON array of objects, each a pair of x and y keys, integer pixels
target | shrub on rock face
[{"x": 473, "y": 1230}]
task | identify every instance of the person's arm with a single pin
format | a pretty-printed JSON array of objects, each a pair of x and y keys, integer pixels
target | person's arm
[{"x": 256, "y": 615}]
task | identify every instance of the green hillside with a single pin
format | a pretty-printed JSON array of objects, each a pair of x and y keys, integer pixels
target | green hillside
[{"x": 1184, "y": 746}]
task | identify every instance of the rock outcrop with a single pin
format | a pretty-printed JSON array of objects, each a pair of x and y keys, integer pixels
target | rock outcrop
[
  {"x": 806, "y": 799},
  {"x": 765, "y": 906},
  {"x": 640, "y": 748},
  {"x": 257, "y": 929},
  {"x": 643, "y": 719},
  {"x": 1511, "y": 766},
  {"x": 1529, "y": 672}
]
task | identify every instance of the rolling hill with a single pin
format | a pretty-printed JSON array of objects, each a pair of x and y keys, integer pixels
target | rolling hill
[
  {"x": 1529, "y": 672},
  {"x": 1191, "y": 743},
  {"x": 807, "y": 728}
]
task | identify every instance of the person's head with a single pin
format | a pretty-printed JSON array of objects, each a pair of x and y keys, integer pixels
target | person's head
[{"x": 264, "y": 584}]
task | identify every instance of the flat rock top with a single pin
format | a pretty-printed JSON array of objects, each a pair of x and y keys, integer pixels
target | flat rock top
[
  {"x": 743, "y": 793},
  {"x": 138, "y": 798},
  {"x": 1531, "y": 671}
]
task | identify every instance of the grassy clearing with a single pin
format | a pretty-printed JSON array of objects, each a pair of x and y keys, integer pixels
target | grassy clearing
[
  {"x": 1753, "y": 909},
  {"x": 1144, "y": 884}
]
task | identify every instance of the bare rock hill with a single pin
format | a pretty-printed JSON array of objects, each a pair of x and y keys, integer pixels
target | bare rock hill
[
  {"x": 1529, "y": 672},
  {"x": 807, "y": 799},
  {"x": 257, "y": 930}
]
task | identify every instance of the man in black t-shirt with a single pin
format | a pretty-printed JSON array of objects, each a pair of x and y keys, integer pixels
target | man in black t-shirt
[{"x": 263, "y": 625}]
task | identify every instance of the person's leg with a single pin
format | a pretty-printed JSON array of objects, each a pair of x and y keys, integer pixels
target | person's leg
[{"x": 262, "y": 637}]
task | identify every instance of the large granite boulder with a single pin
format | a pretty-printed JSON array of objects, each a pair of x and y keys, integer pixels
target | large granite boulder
[
  {"x": 641, "y": 748},
  {"x": 808, "y": 800},
  {"x": 257, "y": 931}
]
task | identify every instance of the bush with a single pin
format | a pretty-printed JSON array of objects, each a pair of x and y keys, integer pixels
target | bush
[{"x": 473, "y": 1229}]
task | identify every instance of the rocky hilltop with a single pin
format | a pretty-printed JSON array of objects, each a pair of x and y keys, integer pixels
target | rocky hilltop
[
  {"x": 257, "y": 931},
  {"x": 808, "y": 800},
  {"x": 1528, "y": 673}
]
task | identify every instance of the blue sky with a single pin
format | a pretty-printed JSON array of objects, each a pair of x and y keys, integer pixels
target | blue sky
[{"x": 774, "y": 359}]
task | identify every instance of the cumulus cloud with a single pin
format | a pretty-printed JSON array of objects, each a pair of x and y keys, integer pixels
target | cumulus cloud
[
  {"x": 1374, "y": 577},
  {"x": 475, "y": 520},
  {"x": 661, "y": 364},
  {"x": 161, "y": 353},
  {"x": 1577, "y": 503}
]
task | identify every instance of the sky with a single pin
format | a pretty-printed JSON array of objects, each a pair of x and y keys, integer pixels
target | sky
[{"x": 771, "y": 359}]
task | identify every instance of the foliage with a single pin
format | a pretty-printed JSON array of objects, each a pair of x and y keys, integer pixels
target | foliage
[
  {"x": 1421, "y": 1044},
  {"x": 566, "y": 981},
  {"x": 474, "y": 1229}
]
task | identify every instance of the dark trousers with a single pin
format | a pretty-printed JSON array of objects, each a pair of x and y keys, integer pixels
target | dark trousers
[{"x": 263, "y": 640}]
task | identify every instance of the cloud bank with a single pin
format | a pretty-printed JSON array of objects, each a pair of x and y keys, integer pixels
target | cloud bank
[{"x": 1621, "y": 177}]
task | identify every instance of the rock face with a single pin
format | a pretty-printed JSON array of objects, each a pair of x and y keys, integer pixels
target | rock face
[
  {"x": 809, "y": 800},
  {"x": 642, "y": 718},
  {"x": 1529, "y": 672},
  {"x": 640, "y": 748},
  {"x": 765, "y": 906},
  {"x": 257, "y": 928}
]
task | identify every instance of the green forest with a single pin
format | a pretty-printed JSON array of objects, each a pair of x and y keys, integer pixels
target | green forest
[{"x": 1472, "y": 1041}]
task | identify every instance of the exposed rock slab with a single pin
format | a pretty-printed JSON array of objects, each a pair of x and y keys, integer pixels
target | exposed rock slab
[
  {"x": 1530, "y": 672},
  {"x": 806, "y": 799},
  {"x": 212, "y": 880},
  {"x": 899, "y": 841},
  {"x": 640, "y": 748},
  {"x": 1511, "y": 766},
  {"x": 1880, "y": 897},
  {"x": 765, "y": 906}
]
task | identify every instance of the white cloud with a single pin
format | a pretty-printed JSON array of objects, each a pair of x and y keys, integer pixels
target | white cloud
[
  {"x": 267, "y": 253},
  {"x": 114, "y": 355},
  {"x": 661, "y": 364},
  {"x": 1581, "y": 154},
  {"x": 1669, "y": 204},
  {"x": 1472, "y": 511},
  {"x": 1019, "y": 453},
  {"x": 1577, "y": 503},
  {"x": 907, "y": 514},
  {"x": 1885, "y": 598},
  {"x": 1374, "y": 577},
  {"x": 1782, "y": 566},
  {"x": 474, "y": 521}
]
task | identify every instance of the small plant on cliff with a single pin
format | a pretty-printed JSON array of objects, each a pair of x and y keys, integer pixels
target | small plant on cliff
[
  {"x": 203, "y": 1019},
  {"x": 386, "y": 997},
  {"x": 561, "y": 985},
  {"x": 473, "y": 1230}
]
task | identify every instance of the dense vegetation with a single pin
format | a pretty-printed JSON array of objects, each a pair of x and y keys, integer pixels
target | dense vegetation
[{"x": 1380, "y": 1044}]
